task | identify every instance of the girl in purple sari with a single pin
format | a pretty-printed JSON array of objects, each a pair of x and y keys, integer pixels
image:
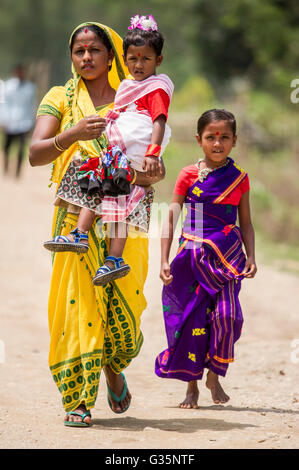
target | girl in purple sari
[{"x": 202, "y": 312}]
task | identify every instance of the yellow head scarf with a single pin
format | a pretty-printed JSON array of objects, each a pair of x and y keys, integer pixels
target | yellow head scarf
[
  {"x": 118, "y": 71},
  {"x": 80, "y": 101}
]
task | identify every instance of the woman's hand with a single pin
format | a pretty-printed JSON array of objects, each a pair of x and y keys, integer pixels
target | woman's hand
[
  {"x": 165, "y": 273},
  {"x": 89, "y": 128},
  {"x": 42, "y": 150},
  {"x": 250, "y": 268}
]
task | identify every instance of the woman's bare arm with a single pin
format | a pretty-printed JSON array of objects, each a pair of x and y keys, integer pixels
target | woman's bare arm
[{"x": 42, "y": 150}]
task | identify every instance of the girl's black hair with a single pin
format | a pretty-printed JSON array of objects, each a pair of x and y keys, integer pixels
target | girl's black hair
[
  {"x": 95, "y": 29},
  {"x": 139, "y": 37},
  {"x": 213, "y": 115}
]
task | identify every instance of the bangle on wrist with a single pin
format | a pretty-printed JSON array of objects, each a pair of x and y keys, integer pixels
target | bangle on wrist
[
  {"x": 153, "y": 150},
  {"x": 134, "y": 176},
  {"x": 57, "y": 145}
]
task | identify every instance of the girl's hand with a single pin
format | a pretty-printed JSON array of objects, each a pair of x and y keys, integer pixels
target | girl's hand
[
  {"x": 152, "y": 166},
  {"x": 165, "y": 273},
  {"x": 250, "y": 268},
  {"x": 89, "y": 128}
]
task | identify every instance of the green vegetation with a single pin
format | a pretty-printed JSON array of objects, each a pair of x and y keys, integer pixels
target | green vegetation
[
  {"x": 267, "y": 148},
  {"x": 240, "y": 54},
  {"x": 220, "y": 40}
]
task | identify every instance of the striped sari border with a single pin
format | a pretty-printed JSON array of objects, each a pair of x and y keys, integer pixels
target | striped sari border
[
  {"x": 231, "y": 187},
  {"x": 216, "y": 249}
]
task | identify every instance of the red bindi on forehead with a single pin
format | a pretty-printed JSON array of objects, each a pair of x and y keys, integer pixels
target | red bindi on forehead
[
  {"x": 85, "y": 30},
  {"x": 217, "y": 133}
]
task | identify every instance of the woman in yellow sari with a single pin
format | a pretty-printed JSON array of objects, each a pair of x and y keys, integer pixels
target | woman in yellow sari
[{"x": 90, "y": 327}]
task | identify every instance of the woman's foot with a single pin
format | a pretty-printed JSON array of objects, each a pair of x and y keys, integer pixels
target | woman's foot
[
  {"x": 77, "y": 419},
  {"x": 192, "y": 394},
  {"x": 116, "y": 384},
  {"x": 217, "y": 392}
]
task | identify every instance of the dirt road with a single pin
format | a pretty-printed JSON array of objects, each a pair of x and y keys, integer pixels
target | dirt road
[{"x": 263, "y": 382}]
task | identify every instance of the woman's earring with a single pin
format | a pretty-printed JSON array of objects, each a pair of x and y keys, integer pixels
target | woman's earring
[{"x": 110, "y": 65}]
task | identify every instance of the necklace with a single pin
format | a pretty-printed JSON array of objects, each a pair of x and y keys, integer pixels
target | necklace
[{"x": 202, "y": 174}]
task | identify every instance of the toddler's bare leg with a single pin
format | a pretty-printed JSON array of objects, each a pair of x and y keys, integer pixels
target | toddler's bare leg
[
  {"x": 85, "y": 219},
  {"x": 117, "y": 242},
  {"x": 77, "y": 240},
  {"x": 84, "y": 224},
  {"x": 114, "y": 266}
]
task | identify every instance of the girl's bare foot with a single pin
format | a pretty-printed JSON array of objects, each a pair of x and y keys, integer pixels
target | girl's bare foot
[
  {"x": 116, "y": 383},
  {"x": 218, "y": 394},
  {"x": 81, "y": 410},
  {"x": 192, "y": 395}
]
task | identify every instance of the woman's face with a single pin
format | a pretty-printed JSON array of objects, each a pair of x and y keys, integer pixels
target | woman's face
[{"x": 90, "y": 56}]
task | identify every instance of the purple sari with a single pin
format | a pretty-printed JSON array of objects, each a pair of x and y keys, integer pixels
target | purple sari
[{"x": 202, "y": 313}]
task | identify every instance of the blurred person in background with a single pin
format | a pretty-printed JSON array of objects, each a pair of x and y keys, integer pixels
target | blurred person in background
[{"x": 17, "y": 114}]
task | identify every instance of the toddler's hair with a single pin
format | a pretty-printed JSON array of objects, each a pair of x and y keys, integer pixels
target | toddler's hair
[
  {"x": 139, "y": 37},
  {"x": 213, "y": 115}
]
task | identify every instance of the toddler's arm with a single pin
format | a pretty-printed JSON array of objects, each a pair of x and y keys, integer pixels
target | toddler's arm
[
  {"x": 143, "y": 180},
  {"x": 151, "y": 164},
  {"x": 247, "y": 231},
  {"x": 167, "y": 235}
]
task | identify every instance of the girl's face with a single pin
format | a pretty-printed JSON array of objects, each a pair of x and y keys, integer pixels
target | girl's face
[
  {"x": 142, "y": 61},
  {"x": 90, "y": 56},
  {"x": 217, "y": 140}
]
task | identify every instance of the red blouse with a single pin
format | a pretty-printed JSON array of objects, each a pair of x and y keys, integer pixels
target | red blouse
[
  {"x": 189, "y": 175},
  {"x": 156, "y": 103}
]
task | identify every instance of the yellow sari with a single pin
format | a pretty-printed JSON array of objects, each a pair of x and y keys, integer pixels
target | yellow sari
[{"x": 90, "y": 326}]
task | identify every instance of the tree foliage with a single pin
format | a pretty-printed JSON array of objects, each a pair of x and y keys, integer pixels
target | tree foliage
[
  {"x": 219, "y": 39},
  {"x": 258, "y": 39}
]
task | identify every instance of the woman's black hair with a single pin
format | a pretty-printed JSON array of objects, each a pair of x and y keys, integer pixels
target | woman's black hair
[
  {"x": 139, "y": 37},
  {"x": 213, "y": 115},
  {"x": 95, "y": 29}
]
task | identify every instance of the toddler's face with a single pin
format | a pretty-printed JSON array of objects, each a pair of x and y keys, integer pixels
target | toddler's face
[
  {"x": 142, "y": 61},
  {"x": 217, "y": 140}
]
